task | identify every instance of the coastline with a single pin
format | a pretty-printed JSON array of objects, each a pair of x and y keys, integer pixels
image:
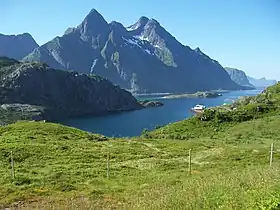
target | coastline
[{"x": 206, "y": 94}]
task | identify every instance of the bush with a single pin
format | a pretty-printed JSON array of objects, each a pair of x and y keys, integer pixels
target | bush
[
  {"x": 207, "y": 115},
  {"x": 242, "y": 113},
  {"x": 145, "y": 133},
  {"x": 222, "y": 117}
]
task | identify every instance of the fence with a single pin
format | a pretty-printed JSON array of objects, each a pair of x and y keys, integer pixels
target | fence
[{"x": 13, "y": 170}]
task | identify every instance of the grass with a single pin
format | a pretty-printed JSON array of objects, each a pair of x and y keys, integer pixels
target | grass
[
  {"x": 58, "y": 167},
  {"x": 218, "y": 120}
]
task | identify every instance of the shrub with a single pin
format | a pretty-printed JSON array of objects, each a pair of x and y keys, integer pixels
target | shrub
[
  {"x": 207, "y": 115},
  {"x": 222, "y": 117}
]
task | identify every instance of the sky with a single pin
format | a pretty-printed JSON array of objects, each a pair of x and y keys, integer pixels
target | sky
[{"x": 243, "y": 34}]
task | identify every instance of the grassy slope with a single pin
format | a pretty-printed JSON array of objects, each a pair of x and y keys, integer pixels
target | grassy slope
[
  {"x": 63, "y": 168},
  {"x": 57, "y": 165}
]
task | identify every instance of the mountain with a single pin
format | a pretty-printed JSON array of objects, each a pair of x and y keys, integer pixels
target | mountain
[
  {"x": 17, "y": 46},
  {"x": 239, "y": 77},
  {"x": 143, "y": 57},
  {"x": 59, "y": 93},
  {"x": 263, "y": 82}
]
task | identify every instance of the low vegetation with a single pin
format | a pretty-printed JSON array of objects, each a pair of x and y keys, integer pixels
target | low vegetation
[
  {"x": 58, "y": 167},
  {"x": 205, "y": 94},
  {"x": 4, "y": 61},
  {"x": 220, "y": 119}
]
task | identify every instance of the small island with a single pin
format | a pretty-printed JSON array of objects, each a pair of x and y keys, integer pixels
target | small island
[
  {"x": 148, "y": 104},
  {"x": 206, "y": 94}
]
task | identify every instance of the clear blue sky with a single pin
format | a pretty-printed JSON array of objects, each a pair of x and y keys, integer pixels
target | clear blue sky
[{"x": 238, "y": 33}]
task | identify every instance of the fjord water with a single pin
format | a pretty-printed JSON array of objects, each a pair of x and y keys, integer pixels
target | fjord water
[{"x": 132, "y": 123}]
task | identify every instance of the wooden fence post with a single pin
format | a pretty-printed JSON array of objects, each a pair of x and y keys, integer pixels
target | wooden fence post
[
  {"x": 108, "y": 164},
  {"x": 190, "y": 162},
  {"x": 271, "y": 155},
  {"x": 12, "y": 166}
]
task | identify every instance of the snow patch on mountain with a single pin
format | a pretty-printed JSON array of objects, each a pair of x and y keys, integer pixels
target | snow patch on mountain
[
  {"x": 132, "y": 27},
  {"x": 138, "y": 43},
  {"x": 148, "y": 51},
  {"x": 93, "y": 65},
  {"x": 157, "y": 46},
  {"x": 132, "y": 41},
  {"x": 146, "y": 39},
  {"x": 142, "y": 38}
]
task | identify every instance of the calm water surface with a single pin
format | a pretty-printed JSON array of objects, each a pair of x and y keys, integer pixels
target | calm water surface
[{"x": 132, "y": 123}]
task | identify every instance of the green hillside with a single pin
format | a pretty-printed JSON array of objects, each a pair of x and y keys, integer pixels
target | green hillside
[
  {"x": 220, "y": 119},
  {"x": 58, "y": 167}
]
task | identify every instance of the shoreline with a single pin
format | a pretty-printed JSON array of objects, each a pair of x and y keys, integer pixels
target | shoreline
[
  {"x": 150, "y": 125},
  {"x": 206, "y": 94},
  {"x": 161, "y": 94}
]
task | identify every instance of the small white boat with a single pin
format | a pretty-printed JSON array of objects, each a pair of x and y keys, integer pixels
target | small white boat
[{"x": 198, "y": 108}]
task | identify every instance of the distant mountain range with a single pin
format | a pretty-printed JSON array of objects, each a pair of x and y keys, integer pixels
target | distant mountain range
[
  {"x": 143, "y": 57},
  {"x": 262, "y": 82},
  {"x": 239, "y": 77},
  {"x": 17, "y": 46}
]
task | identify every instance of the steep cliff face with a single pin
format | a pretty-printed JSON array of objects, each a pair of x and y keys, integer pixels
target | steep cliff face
[
  {"x": 17, "y": 46},
  {"x": 239, "y": 77},
  {"x": 143, "y": 57},
  {"x": 62, "y": 93}
]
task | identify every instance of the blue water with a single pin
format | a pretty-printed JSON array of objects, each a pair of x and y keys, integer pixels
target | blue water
[{"x": 132, "y": 123}]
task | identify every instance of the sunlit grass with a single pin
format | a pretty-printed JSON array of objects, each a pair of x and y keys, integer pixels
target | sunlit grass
[{"x": 57, "y": 165}]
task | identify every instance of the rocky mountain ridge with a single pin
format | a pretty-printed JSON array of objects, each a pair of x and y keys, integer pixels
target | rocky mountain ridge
[
  {"x": 262, "y": 82},
  {"x": 17, "y": 46},
  {"x": 239, "y": 77},
  {"x": 54, "y": 94},
  {"x": 142, "y": 58}
]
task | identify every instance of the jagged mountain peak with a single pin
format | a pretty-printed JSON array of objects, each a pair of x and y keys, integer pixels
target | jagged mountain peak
[
  {"x": 144, "y": 55},
  {"x": 153, "y": 22},
  {"x": 92, "y": 23},
  {"x": 143, "y": 22},
  {"x": 94, "y": 18},
  {"x": 94, "y": 14}
]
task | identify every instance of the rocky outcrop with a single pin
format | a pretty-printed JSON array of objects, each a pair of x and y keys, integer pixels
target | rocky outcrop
[
  {"x": 149, "y": 104},
  {"x": 13, "y": 112},
  {"x": 60, "y": 93}
]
